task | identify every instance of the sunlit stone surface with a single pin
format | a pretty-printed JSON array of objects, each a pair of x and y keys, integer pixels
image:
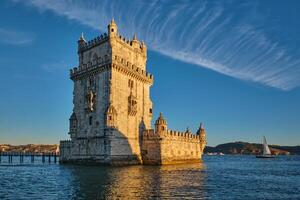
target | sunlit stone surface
[{"x": 111, "y": 119}]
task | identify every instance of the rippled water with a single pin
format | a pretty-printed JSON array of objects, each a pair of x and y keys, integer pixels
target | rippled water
[{"x": 219, "y": 177}]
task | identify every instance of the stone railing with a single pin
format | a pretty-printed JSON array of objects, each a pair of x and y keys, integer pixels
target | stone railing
[
  {"x": 94, "y": 42},
  {"x": 104, "y": 37},
  {"x": 123, "y": 62},
  {"x": 129, "y": 43},
  {"x": 182, "y": 135},
  {"x": 170, "y": 134},
  {"x": 87, "y": 67}
]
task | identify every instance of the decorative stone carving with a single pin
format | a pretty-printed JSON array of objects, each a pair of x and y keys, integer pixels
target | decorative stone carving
[
  {"x": 132, "y": 105},
  {"x": 91, "y": 97},
  {"x": 111, "y": 116}
]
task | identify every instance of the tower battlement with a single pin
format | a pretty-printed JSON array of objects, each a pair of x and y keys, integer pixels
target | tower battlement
[
  {"x": 164, "y": 146},
  {"x": 86, "y": 45},
  {"x": 119, "y": 63},
  {"x": 112, "y": 50},
  {"x": 176, "y": 135}
]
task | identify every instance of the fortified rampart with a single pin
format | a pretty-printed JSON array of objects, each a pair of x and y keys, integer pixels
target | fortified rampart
[{"x": 163, "y": 146}]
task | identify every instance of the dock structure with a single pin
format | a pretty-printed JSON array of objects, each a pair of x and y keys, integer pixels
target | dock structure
[{"x": 18, "y": 157}]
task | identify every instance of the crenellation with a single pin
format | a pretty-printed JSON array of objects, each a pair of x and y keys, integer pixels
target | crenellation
[{"x": 94, "y": 42}]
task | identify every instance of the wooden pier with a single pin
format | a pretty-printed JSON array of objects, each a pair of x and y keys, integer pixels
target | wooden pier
[{"x": 13, "y": 157}]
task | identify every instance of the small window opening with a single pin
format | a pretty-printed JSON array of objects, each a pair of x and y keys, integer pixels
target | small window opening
[{"x": 90, "y": 120}]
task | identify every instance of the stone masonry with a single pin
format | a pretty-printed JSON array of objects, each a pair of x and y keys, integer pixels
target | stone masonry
[{"x": 112, "y": 113}]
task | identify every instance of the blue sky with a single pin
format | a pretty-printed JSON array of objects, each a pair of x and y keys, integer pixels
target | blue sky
[{"x": 234, "y": 65}]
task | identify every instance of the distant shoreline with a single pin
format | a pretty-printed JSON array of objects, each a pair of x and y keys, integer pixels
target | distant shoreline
[
  {"x": 239, "y": 148},
  {"x": 245, "y": 148}
]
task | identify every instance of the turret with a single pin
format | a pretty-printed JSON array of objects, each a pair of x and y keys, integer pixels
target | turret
[
  {"x": 81, "y": 43},
  {"x": 73, "y": 125},
  {"x": 144, "y": 48},
  {"x": 202, "y": 134},
  {"x": 112, "y": 28},
  {"x": 135, "y": 43},
  {"x": 160, "y": 124}
]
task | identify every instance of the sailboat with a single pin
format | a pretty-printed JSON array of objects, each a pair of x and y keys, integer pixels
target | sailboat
[{"x": 266, "y": 150}]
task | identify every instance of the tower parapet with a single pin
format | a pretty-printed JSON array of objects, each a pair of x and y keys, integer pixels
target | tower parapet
[
  {"x": 112, "y": 29},
  {"x": 112, "y": 50}
]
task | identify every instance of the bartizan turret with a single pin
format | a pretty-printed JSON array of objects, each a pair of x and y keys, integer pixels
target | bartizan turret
[
  {"x": 202, "y": 135},
  {"x": 81, "y": 44},
  {"x": 161, "y": 125},
  {"x": 112, "y": 29}
]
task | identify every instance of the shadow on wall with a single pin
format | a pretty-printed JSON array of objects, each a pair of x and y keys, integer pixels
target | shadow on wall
[{"x": 120, "y": 148}]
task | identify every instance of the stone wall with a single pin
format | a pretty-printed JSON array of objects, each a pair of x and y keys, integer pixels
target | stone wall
[{"x": 171, "y": 147}]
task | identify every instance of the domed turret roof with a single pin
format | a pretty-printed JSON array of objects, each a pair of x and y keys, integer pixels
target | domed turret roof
[
  {"x": 201, "y": 128},
  {"x": 112, "y": 23},
  {"x": 81, "y": 38},
  {"x": 160, "y": 119}
]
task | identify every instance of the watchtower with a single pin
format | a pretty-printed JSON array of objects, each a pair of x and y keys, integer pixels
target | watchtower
[{"x": 111, "y": 99}]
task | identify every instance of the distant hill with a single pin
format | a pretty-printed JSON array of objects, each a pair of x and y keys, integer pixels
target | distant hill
[
  {"x": 251, "y": 148},
  {"x": 227, "y": 148}
]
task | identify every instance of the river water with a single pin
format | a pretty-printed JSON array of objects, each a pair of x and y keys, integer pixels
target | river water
[{"x": 219, "y": 177}]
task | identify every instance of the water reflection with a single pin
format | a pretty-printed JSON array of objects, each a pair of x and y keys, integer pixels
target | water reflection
[{"x": 138, "y": 182}]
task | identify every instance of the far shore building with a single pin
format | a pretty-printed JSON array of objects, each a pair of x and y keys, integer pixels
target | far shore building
[{"x": 112, "y": 113}]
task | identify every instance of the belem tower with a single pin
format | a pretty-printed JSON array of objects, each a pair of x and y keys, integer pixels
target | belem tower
[{"x": 112, "y": 113}]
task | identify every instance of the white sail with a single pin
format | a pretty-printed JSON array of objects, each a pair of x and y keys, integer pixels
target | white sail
[{"x": 266, "y": 150}]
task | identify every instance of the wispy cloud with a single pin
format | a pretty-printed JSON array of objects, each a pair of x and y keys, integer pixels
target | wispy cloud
[
  {"x": 15, "y": 37},
  {"x": 231, "y": 38}
]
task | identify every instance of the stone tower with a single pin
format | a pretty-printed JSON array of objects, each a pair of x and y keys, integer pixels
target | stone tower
[{"x": 111, "y": 100}]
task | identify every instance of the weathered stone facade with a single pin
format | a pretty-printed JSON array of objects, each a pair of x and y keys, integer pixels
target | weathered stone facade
[
  {"x": 112, "y": 112},
  {"x": 164, "y": 146}
]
